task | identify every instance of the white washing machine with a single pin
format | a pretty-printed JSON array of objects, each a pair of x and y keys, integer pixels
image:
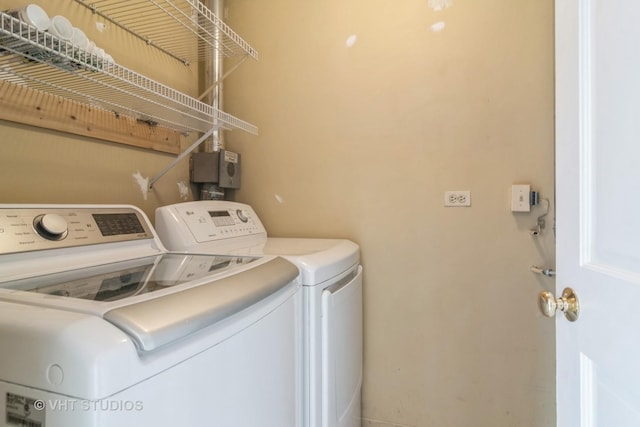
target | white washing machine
[
  {"x": 100, "y": 326},
  {"x": 331, "y": 279}
]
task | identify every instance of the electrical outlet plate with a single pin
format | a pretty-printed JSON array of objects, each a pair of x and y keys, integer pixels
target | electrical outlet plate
[{"x": 460, "y": 198}]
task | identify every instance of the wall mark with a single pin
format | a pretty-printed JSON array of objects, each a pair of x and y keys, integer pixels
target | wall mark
[
  {"x": 142, "y": 182},
  {"x": 440, "y": 4},
  {"x": 351, "y": 40},
  {"x": 437, "y": 27},
  {"x": 183, "y": 189}
]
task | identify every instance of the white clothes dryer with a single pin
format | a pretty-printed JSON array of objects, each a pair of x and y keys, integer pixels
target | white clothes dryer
[
  {"x": 100, "y": 326},
  {"x": 331, "y": 279}
]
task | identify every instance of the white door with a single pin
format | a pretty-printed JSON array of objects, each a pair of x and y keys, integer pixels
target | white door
[{"x": 598, "y": 211}]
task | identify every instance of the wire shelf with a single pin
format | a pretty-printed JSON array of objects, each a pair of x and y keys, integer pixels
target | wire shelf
[
  {"x": 190, "y": 24},
  {"x": 41, "y": 61}
]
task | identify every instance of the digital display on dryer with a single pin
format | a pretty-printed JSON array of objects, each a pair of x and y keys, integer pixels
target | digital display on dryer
[{"x": 221, "y": 218}]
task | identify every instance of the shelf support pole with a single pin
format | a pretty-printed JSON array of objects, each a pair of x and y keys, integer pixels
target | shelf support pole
[
  {"x": 217, "y": 82},
  {"x": 180, "y": 157}
]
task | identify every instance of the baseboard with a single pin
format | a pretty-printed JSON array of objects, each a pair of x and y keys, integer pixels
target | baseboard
[{"x": 367, "y": 422}]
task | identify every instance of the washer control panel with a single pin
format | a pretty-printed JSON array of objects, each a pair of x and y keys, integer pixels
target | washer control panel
[{"x": 24, "y": 229}]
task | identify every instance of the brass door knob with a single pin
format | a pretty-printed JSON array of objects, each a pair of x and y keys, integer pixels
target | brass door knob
[{"x": 568, "y": 304}]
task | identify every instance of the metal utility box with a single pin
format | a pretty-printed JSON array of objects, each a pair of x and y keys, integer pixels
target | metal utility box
[
  {"x": 229, "y": 169},
  {"x": 217, "y": 167},
  {"x": 204, "y": 167}
]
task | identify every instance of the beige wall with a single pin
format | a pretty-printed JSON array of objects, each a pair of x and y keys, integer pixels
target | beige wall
[
  {"x": 41, "y": 166},
  {"x": 362, "y": 141}
]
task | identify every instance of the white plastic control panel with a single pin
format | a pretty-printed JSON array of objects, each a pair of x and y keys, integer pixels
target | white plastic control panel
[
  {"x": 24, "y": 229},
  {"x": 185, "y": 225},
  {"x": 213, "y": 224}
]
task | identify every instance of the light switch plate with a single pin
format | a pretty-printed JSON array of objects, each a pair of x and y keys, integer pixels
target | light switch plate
[{"x": 520, "y": 198}]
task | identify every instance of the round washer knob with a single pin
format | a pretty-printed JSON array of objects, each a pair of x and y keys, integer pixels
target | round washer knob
[
  {"x": 242, "y": 215},
  {"x": 51, "y": 226}
]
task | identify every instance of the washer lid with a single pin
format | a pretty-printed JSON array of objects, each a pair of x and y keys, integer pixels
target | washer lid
[
  {"x": 318, "y": 259},
  {"x": 158, "y": 321},
  {"x": 156, "y": 300}
]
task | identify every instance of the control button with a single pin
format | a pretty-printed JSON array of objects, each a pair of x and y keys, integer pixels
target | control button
[
  {"x": 51, "y": 226},
  {"x": 242, "y": 216}
]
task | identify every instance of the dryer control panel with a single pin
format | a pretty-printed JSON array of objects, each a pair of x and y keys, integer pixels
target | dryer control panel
[{"x": 187, "y": 224}]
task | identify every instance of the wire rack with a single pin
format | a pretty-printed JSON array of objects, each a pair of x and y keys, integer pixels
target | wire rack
[
  {"x": 190, "y": 24},
  {"x": 41, "y": 61}
]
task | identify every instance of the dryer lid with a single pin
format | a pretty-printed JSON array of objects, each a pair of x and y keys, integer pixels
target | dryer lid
[{"x": 319, "y": 260}]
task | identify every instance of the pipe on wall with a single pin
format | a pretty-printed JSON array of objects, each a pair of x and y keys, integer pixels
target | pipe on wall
[{"x": 213, "y": 78}]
